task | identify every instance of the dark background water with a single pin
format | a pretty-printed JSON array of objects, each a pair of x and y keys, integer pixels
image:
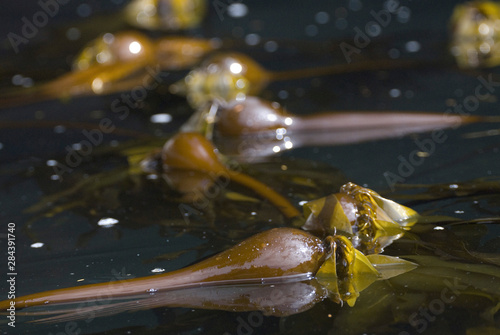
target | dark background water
[{"x": 26, "y": 148}]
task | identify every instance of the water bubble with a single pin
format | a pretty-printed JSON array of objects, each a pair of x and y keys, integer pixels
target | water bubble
[
  {"x": 322, "y": 17},
  {"x": 59, "y": 129},
  {"x": 412, "y": 46},
  {"x": 27, "y": 82},
  {"x": 17, "y": 79},
  {"x": 283, "y": 94},
  {"x": 107, "y": 222},
  {"x": 108, "y": 38},
  {"x": 404, "y": 14},
  {"x": 76, "y": 146},
  {"x": 270, "y": 46},
  {"x": 237, "y": 10},
  {"x": 395, "y": 93},
  {"x": 252, "y": 39},
  {"x": 373, "y": 29},
  {"x": 161, "y": 118}
]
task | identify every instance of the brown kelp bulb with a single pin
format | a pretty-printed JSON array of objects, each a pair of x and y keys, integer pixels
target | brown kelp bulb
[
  {"x": 475, "y": 29},
  {"x": 115, "y": 48},
  {"x": 193, "y": 152},
  {"x": 166, "y": 14},
  {"x": 272, "y": 254},
  {"x": 251, "y": 115},
  {"x": 190, "y": 151},
  {"x": 224, "y": 77}
]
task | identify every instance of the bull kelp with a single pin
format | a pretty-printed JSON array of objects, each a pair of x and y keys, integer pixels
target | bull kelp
[{"x": 194, "y": 167}]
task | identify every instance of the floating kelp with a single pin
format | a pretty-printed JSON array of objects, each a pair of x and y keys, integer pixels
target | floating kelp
[
  {"x": 371, "y": 222},
  {"x": 281, "y": 255},
  {"x": 427, "y": 298},
  {"x": 190, "y": 164},
  {"x": 474, "y": 28},
  {"x": 166, "y": 14},
  {"x": 253, "y": 129},
  {"x": 117, "y": 182},
  {"x": 234, "y": 76},
  {"x": 117, "y": 62}
]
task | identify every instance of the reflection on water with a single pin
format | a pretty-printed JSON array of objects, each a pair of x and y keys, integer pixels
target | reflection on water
[{"x": 89, "y": 208}]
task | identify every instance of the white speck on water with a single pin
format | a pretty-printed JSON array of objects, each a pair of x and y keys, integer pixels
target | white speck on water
[
  {"x": 161, "y": 118},
  {"x": 270, "y": 46},
  {"x": 252, "y": 39},
  {"x": 237, "y": 10},
  {"x": 59, "y": 129},
  {"x": 322, "y": 17},
  {"x": 394, "y": 93},
  {"x": 412, "y": 46},
  {"x": 107, "y": 222}
]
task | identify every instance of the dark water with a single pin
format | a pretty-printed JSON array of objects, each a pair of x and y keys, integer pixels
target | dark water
[{"x": 152, "y": 232}]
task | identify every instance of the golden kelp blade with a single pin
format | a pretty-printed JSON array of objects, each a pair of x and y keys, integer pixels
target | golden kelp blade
[
  {"x": 347, "y": 271},
  {"x": 372, "y": 221},
  {"x": 386, "y": 209},
  {"x": 475, "y": 29},
  {"x": 327, "y": 212},
  {"x": 389, "y": 266}
]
